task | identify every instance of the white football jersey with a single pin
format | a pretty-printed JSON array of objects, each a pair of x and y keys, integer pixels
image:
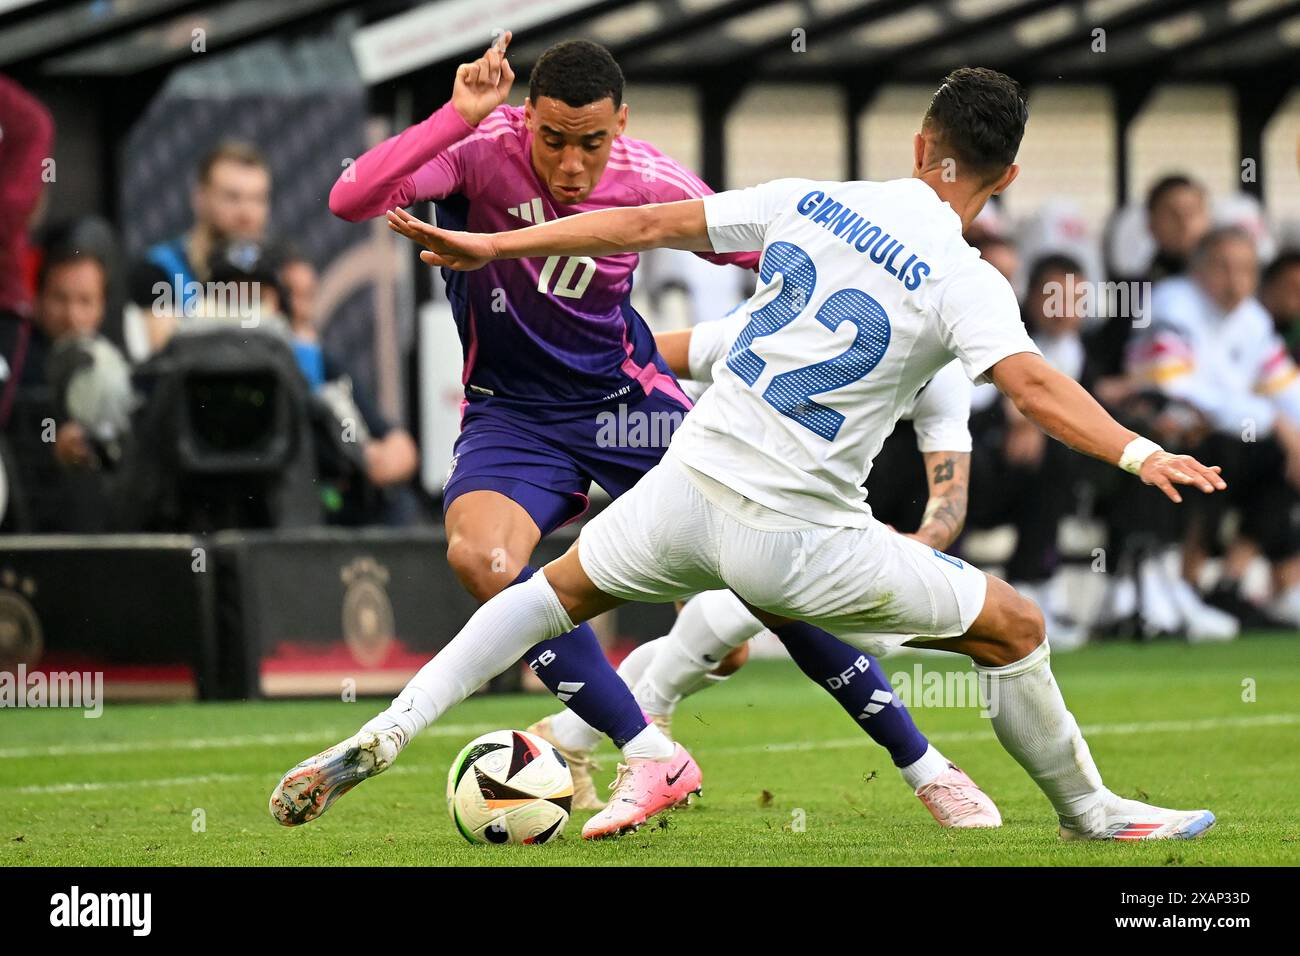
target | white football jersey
[
  {"x": 940, "y": 414},
  {"x": 866, "y": 290}
]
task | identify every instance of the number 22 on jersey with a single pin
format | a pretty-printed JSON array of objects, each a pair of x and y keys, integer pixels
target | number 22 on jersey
[{"x": 790, "y": 393}]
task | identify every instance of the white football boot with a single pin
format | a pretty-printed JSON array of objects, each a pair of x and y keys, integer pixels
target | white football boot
[
  {"x": 308, "y": 790},
  {"x": 1114, "y": 818}
]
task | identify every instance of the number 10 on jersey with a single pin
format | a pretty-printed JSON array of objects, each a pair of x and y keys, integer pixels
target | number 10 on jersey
[{"x": 574, "y": 277}]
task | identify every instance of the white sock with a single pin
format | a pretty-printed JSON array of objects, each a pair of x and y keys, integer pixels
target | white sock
[
  {"x": 496, "y": 636},
  {"x": 709, "y": 627},
  {"x": 1031, "y": 721},
  {"x": 634, "y": 666},
  {"x": 650, "y": 743},
  {"x": 925, "y": 769}
]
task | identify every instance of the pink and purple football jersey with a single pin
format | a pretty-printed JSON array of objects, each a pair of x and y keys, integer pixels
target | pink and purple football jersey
[{"x": 550, "y": 336}]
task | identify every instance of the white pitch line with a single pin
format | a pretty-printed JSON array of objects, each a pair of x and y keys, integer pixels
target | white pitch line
[
  {"x": 963, "y": 736},
  {"x": 89, "y": 787},
  {"x": 1094, "y": 730},
  {"x": 209, "y": 743}
]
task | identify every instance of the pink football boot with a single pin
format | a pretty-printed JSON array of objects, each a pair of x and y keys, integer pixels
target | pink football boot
[
  {"x": 955, "y": 801},
  {"x": 642, "y": 789}
]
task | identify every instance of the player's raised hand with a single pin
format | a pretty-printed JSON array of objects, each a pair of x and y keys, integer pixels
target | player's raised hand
[
  {"x": 483, "y": 85},
  {"x": 462, "y": 251},
  {"x": 1165, "y": 470}
]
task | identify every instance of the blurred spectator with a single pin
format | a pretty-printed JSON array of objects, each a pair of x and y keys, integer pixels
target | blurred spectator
[
  {"x": 1212, "y": 345},
  {"x": 232, "y": 203},
  {"x": 26, "y": 137},
  {"x": 1020, "y": 477},
  {"x": 75, "y": 398},
  {"x": 89, "y": 376},
  {"x": 390, "y": 453},
  {"x": 1178, "y": 216},
  {"x": 1279, "y": 293},
  {"x": 1053, "y": 315},
  {"x": 1003, "y": 255}
]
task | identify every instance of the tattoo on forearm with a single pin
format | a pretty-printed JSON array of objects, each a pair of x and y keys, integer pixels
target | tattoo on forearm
[
  {"x": 944, "y": 470},
  {"x": 945, "y": 515}
]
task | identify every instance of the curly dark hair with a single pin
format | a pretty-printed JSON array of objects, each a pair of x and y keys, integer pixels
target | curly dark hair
[
  {"x": 576, "y": 72},
  {"x": 979, "y": 116}
]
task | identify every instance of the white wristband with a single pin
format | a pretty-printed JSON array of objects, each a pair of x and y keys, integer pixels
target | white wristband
[{"x": 1136, "y": 452}]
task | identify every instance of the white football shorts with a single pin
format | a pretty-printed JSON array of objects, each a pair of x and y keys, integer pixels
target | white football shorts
[{"x": 678, "y": 532}]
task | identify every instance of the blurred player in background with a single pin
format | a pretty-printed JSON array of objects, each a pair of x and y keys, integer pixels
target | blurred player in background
[{"x": 867, "y": 290}]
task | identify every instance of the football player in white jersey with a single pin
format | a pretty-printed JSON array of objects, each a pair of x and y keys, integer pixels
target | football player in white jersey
[
  {"x": 708, "y": 641},
  {"x": 866, "y": 291}
]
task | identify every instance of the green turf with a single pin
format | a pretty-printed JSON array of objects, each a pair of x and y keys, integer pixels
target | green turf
[{"x": 1166, "y": 722}]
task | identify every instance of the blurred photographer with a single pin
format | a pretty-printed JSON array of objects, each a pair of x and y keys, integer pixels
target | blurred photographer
[
  {"x": 390, "y": 454},
  {"x": 72, "y": 408},
  {"x": 231, "y": 201}
]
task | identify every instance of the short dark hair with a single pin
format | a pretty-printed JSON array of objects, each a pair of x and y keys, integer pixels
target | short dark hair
[
  {"x": 1167, "y": 184},
  {"x": 979, "y": 115},
  {"x": 59, "y": 256},
  {"x": 1286, "y": 259},
  {"x": 576, "y": 72},
  {"x": 1052, "y": 262},
  {"x": 231, "y": 151}
]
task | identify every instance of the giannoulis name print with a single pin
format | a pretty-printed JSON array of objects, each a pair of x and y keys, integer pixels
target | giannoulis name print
[{"x": 75, "y": 908}]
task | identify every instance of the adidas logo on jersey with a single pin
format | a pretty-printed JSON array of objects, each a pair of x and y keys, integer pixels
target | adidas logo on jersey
[{"x": 531, "y": 212}]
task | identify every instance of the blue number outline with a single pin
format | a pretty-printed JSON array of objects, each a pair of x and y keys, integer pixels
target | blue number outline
[{"x": 790, "y": 393}]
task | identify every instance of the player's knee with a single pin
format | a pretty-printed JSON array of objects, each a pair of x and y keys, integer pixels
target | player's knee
[
  {"x": 483, "y": 570},
  {"x": 1025, "y": 629},
  {"x": 733, "y": 661}
]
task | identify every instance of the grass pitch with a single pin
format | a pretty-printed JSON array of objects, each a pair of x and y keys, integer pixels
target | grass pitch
[{"x": 788, "y": 780}]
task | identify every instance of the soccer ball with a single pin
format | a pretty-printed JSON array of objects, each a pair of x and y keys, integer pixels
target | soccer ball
[{"x": 509, "y": 787}]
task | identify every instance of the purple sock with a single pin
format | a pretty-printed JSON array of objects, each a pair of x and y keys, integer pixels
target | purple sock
[
  {"x": 857, "y": 682},
  {"x": 574, "y": 668}
]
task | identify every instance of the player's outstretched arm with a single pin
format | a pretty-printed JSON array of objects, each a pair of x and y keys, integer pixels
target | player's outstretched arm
[
  {"x": 1061, "y": 407},
  {"x": 674, "y": 225}
]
